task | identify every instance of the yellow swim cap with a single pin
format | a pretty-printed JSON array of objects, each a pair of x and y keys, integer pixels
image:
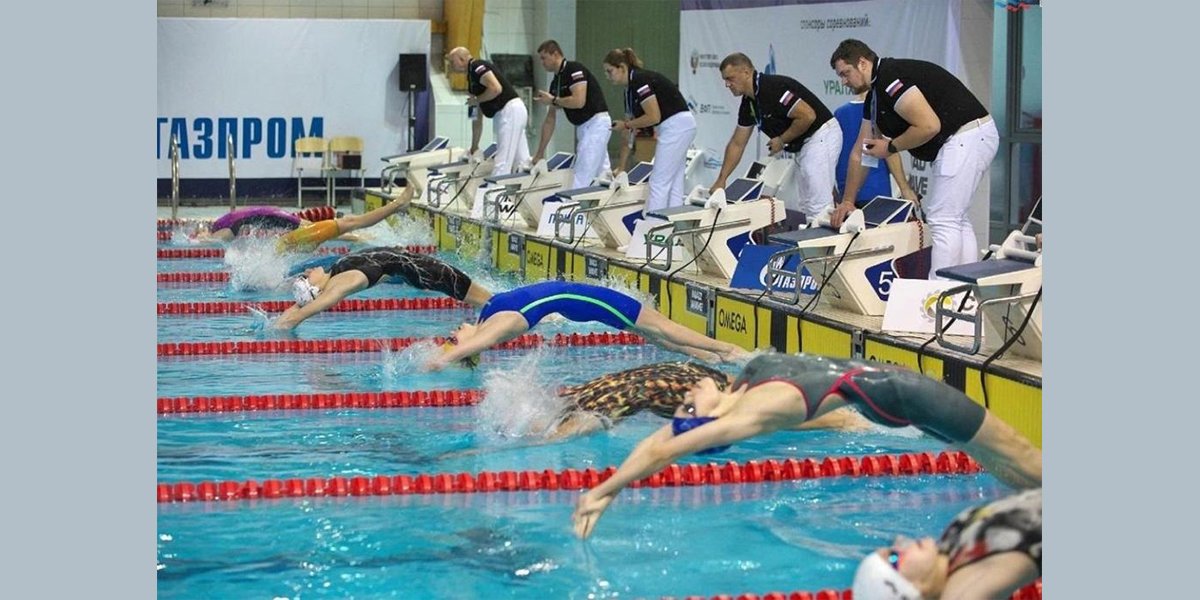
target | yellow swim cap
[{"x": 470, "y": 362}]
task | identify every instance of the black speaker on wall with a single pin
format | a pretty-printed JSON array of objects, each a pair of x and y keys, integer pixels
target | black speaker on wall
[{"x": 412, "y": 72}]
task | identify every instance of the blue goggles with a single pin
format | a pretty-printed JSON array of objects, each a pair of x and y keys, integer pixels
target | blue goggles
[{"x": 680, "y": 425}]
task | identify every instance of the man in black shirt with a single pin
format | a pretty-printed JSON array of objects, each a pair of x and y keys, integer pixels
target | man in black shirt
[
  {"x": 795, "y": 120},
  {"x": 577, "y": 92},
  {"x": 494, "y": 98},
  {"x": 920, "y": 107}
]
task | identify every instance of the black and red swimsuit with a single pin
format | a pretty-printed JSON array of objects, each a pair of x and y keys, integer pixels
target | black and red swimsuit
[{"x": 888, "y": 395}]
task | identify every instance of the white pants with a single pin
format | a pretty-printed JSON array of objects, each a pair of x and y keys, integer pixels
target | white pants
[
  {"x": 675, "y": 135},
  {"x": 512, "y": 149},
  {"x": 956, "y": 172},
  {"x": 591, "y": 149},
  {"x": 815, "y": 173}
]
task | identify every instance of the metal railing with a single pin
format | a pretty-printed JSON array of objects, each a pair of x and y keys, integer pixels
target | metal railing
[
  {"x": 174, "y": 152},
  {"x": 232, "y": 173}
]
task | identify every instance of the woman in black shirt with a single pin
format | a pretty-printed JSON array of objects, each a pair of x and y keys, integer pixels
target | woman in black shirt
[{"x": 651, "y": 99}]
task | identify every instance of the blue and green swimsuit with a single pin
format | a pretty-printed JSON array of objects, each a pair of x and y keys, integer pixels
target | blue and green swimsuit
[{"x": 579, "y": 302}]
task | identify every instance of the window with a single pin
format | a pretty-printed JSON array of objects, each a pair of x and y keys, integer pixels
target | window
[{"x": 1016, "y": 176}]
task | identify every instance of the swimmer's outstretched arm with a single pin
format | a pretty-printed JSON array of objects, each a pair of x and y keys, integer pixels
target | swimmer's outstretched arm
[
  {"x": 339, "y": 286},
  {"x": 657, "y": 451},
  {"x": 500, "y": 327}
]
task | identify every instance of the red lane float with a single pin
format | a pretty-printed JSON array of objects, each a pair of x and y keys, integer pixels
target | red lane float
[
  {"x": 193, "y": 277},
  {"x": 394, "y": 399},
  {"x": 347, "y": 305},
  {"x": 181, "y": 253},
  {"x": 531, "y": 340},
  {"x": 1032, "y": 591},
  {"x": 954, "y": 463}
]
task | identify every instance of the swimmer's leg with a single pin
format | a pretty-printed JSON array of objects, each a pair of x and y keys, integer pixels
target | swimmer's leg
[
  {"x": 477, "y": 295},
  {"x": 1005, "y": 453},
  {"x": 654, "y": 325},
  {"x": 306, "y": 239},
  {"x": 350, "y": 223}
]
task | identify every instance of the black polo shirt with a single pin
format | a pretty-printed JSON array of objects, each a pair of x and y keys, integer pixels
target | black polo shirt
[
  {"x": 643, "y": 85},
  {"x": 953, "y": 103},
  {"x": 476, "y": 69},
  {"x": 570, "y": 74},
  {"x": 774, "y": 96}
]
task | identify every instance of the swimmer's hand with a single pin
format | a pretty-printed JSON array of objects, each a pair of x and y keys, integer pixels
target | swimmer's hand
[
  {"x": 286, "y": 321},
  {"x": 262, "y": 320},
  {"x": 588, "y": 510},
  {"x": 436, "y": 364}
]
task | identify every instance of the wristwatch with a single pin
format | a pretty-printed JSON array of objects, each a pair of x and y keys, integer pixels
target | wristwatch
[{"x": 891, "y": 147}]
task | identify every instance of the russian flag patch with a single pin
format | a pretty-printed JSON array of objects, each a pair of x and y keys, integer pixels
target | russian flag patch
[
  {"x": 481, "y": 69},
  {"x": 577, "y": 76},
  {"x": 787, "y": 97},
  {"x": 644, "y": 90},
  {"x": 894, "y": 87}
]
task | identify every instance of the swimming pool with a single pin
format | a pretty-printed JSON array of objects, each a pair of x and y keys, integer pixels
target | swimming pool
[{"x": 804, "y": 534}]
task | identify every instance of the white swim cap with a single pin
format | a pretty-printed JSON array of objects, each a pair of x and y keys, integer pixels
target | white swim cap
[
  {"x": 876, "y": 579},
  {"x": 304, "y": 291}
]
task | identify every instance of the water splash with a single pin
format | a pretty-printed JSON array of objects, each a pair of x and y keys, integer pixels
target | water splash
[
  {"x": 517, "y": 402},
  {"x": 254, "y": 263},
  {"x": 396, "y": 365},
  {"x": 400, "y": 230},
  {"x": 184, "y": 234}
]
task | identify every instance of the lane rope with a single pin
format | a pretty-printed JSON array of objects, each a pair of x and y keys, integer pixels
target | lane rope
[
  {"x": 193, "y": 276},
  {"x": 346, "y": 305},
  {"x": 527, "y": 341},
  {"x": 1032, "y": 591},
  {"x": 320, "y": 401},
  {"x": 184, "y": 253},
  {"x": 674, "y": 475}
]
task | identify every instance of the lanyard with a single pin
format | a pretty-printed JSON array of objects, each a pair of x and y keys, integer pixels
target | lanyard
[
  {"x": 558, "y": 77},
  {"x": 754, "y": 104},
  {"x": 875, "y": 99},
  {"x": 629, "y": 94}
]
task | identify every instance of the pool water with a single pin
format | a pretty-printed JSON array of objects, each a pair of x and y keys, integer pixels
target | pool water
[{"x": 702, "y": 540}]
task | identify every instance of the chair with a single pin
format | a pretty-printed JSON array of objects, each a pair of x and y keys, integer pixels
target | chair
[
  {"x": 345, "y": 154},
  {"x": 310, "y": 154}
]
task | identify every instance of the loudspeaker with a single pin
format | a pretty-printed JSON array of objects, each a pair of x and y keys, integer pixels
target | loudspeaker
[{"x": 412, "y": 72}]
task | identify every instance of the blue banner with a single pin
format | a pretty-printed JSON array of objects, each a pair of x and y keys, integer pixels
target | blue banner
[{"x": 751, "y": 271}]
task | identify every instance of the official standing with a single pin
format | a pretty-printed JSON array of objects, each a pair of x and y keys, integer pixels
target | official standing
[
  {"x": 796, "y": 121},
  {"x": 575, "y": 90},
  {"x": 920, "y": 107},
  {"x": 496, "y": 99},
  {"x": 653, "y": 100}
]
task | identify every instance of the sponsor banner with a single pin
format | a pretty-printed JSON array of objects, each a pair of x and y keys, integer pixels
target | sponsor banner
[
  {"x": 796, "y": 39},
  {"x": 538, "y": 261},
  {"x": 266, "y": 82},
  {"x": 912, "y": 307},
  {"x": 638, "y": 242},
  {"x": 751, "y": 271},
  {"x": 546, "y": 224}
]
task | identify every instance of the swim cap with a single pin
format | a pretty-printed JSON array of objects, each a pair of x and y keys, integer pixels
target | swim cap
[
  {"x": 876, "y": 579},
  {"x": 304, "y": 291},
  {"x": 680, "y": 425},
  {"x": 470, "y": 362}
]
